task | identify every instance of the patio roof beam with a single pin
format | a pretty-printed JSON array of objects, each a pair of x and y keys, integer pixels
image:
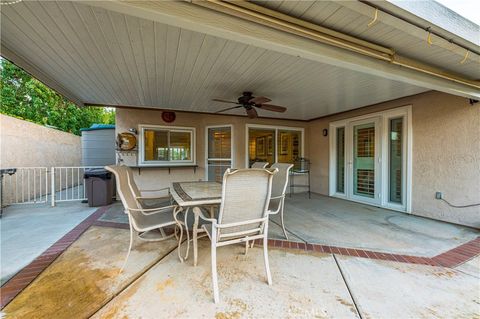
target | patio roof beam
[
  {"x": 271, "y": 18},
  {"x": 199, "y": 19}
]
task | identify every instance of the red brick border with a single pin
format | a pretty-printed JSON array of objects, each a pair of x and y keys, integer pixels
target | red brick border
[
  {"x": 22, "y": 279},
  {"x": 450, "y": 259},
  {"x": 25, "y": 276}
]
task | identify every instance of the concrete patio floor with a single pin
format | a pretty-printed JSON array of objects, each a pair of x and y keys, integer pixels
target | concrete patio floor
[
  {"x": 84, "y": 282},
  {"x": 319, "y": 220},
  {"x": 29, "y": 229},
  {"x": 336, "y": 222}
]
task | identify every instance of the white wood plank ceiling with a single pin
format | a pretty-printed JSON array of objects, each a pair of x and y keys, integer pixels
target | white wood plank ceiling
[{"x": 104, "y": 57}]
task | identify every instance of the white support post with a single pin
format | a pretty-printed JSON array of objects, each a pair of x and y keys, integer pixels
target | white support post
[{"x": 52, "y": 196}]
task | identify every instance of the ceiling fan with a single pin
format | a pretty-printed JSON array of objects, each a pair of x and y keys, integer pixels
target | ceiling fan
[{"x": 250, "y": 102}]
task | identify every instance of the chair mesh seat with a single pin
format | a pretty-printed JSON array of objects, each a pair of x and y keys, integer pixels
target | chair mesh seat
[{"x": 163, "y": 218}]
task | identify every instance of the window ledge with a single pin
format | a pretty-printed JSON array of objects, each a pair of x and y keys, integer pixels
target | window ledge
[{"x": 169, "y": 167}]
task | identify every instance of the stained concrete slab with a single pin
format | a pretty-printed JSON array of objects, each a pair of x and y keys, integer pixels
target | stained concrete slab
[
  {"x": 86, "y": 275},
  {"x": 385, "y": 289},
  {"x": 27, "y": 230},
  {"x": 336, "y": 222},
  {"x": 304, "y": 286}
]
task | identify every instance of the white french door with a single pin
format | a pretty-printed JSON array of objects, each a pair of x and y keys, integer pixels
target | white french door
[
  {"x": 370, "y": 159},
  {"x": 219, "y": 141},
  {"x": 363, "y": 169}
]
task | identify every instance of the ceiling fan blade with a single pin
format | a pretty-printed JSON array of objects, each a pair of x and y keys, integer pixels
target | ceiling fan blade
[
  {"x": 252, "y": 113},
  {"x": 271, "y": 107},
  {"x": 229, "y": 108},
  {"x": 224, "y": 101},
  {"x": 259, "y": 100}
]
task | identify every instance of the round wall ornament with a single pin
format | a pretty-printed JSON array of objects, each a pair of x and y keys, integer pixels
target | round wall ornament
[
  {"x": 126, "y": 141},
  {"x": 169, "y": 116}
]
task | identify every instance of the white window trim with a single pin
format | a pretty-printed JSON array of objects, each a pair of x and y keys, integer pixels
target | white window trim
[
  {"x": 141, "y": 145},
  {"x": 385, "y": 116},
  {"x": 276, "y": 129},
  {"x": 232, "y": 150}
]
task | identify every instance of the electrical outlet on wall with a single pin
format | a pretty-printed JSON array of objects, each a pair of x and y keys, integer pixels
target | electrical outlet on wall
[{"x": 438, "y": 195}]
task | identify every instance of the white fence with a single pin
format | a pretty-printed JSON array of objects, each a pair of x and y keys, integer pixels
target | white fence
[{"x": 43, "y": 184}]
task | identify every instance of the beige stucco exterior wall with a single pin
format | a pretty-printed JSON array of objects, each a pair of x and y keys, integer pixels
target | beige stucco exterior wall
[
  {"x": 445, "y": 154},
  {"x": 154, "y": 178},
  {"x": 26, "y": 144}
]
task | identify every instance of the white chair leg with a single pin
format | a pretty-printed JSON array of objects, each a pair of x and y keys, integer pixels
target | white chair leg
[
  {"x": 180, "y": 243},
  {"x": 162, "y": 232},
  {"x": 129, "y": 248},
  {"x": 216, "y": 297},
  {"x": 265, "y": 255},
  {"x": 281, "y": 219}
]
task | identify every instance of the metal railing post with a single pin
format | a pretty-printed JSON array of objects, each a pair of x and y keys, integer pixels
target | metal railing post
[{"x": 53, "y": 186}]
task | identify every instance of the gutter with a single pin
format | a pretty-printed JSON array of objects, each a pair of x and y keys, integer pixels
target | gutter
[{"x": 267, "y": 17}]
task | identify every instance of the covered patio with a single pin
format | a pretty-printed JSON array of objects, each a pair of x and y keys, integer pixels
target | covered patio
[{"x": 386, "y": 121}]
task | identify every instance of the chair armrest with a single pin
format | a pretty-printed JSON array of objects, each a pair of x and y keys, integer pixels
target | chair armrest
[
  {"x": 271, "y": 212},
  {"x": 155, "y": 190},
  {"x": 198, "y": 212},
  {"x": 150, "y": 211},
  {"x": 153, "y": 197}
]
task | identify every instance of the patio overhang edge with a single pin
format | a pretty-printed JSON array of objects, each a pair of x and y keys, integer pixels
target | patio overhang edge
[
  {"x": 40, "y": 75},
  {"x": 199, "y": 19}
]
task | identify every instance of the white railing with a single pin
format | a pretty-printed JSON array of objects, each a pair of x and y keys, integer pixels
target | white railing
[
  {"x": 42, "y": 185},
  {"x": 68, "y": 184},
  {"x": 26, "y": 185}
]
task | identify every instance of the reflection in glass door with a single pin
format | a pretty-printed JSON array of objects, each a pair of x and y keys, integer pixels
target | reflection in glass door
[
  {"x": 364, "y": 160},
  {"x": 219, "y": 152},
  {"x": 364, "y": 172}
]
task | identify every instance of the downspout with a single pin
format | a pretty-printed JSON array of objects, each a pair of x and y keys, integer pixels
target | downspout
[{"x": 258, "y": 14}]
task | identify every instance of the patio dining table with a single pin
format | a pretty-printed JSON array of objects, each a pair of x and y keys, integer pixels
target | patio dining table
[{"x": 194, "y": 194}]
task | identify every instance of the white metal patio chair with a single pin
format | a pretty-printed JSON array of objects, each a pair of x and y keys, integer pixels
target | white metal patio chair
[
  {"x": 259, "y": 164},
  {"x": 141, "y": 220},
  {"x": 279, "y": 186},
  {"x": 152, "y": 201},
  {"x": 243, "y": 214}
]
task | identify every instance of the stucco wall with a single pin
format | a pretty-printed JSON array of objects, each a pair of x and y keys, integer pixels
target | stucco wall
[
  {"x": 25, "y": 144},
  {"x": 151, "y": 178},
  {"x": 446, "y": 154}
]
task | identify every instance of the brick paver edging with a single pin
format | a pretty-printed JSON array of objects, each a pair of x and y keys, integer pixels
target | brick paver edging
[
  {"x": 450, "y": 259},
  {"x": 25, "y": 276}
]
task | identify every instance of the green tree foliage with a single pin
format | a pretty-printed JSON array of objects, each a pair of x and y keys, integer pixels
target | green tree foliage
[{"x": 25, "y": 97}]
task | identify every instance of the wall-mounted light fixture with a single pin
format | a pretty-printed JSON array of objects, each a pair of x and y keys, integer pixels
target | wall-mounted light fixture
[
  {"x": 325, "y": 132},
  {"x": 133, "y": 130}
]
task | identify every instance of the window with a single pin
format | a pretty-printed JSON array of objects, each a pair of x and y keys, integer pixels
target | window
[
  {"x": 395, "y": 160},
  {"x": 274, "y": 144},
  {"x": 340, "y": 160},
  {"x": 166, "y": 145}
]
